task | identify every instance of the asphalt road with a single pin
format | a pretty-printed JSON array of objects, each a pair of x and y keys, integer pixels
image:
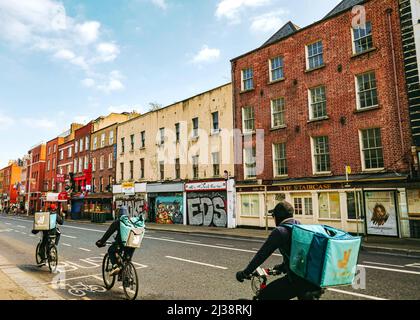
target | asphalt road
[{"x": 176, "y": 266}]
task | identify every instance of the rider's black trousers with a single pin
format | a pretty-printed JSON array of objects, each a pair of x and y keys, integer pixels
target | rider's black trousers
[
  {"x": 114, "y": 248},
  {"x": 45, "y": 238}
]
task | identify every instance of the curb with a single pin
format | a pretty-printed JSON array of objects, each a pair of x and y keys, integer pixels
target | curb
[{"x": 391, "y": 251}]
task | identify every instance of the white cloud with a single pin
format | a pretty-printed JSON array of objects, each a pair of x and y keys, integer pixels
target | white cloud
[
  {"x": 113, "y": 82},
  {"x": 107, "y": 51},
  {"x": 5, "y": 121},
  {"x": 268, "y": 22},
  {"x": 206, "y": 54},
  {"x": 230, "y": 9},
  {"x": 88, "y": 82},
  {"x": 161, "y": 4},
  {"x": 39, "y": 123},
  {"x": 88, "y": 32}
]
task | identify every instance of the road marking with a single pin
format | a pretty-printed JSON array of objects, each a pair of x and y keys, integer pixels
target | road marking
[
  {"x": 225, "y": 245},
  {"x": 97, "y": 277},
  {"x": 9, "y": 224},
  {"x": 21, "y": 227},
  {"x": 413, "y": 265},
  {"x": 167, "y": 238},
  {"x": 385, "y": 264},
  {"x": 66, "y": 236},
  {"x": 196, "y": 262},
  {"x": 356, "y": 294},
  {"x": 387, "y": 269},
  {"x": 194, "y": 241},
  {"x": 75, "y": 278},
  {"x": 17, "y": 231},
  {"x": 66, "y": 245},
  {"x": 138, "y": 264},
  {"x": 87, "y": 250},
  {"x": 209, "y": 246}
]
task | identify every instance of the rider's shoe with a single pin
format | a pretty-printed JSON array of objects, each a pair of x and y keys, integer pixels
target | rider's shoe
[{"x": 115, "y": 270}]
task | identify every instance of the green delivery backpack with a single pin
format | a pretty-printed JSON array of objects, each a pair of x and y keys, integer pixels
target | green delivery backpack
[
  {"x": 131, "y": 231},
  {"x": 324, "y": 256}
]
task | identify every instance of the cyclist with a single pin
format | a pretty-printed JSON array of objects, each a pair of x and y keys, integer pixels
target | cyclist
[
  {"x": 47, "y": 233},
  {"x": 118, "y": 244},
  {"x": 291, "y": 285}
]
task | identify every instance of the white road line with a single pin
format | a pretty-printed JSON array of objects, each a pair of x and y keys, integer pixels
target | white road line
[
  {"x": 167, "y": 238},
  {"x": 385, "y": 264},
  {"x": 196, "y": 262},
  {"x": 87, "y": 250},
  {"x": 387, "y": 269},
  {"x": 21, "y": 227},
  {"x": 66, "y": 236},
  {"x": 97, "y": 277},
  {"x": 225, "y": 245},
  {"x": 413, "y": 265},
  {"x": 66, "y": 245},
  {"x": 75, "y": 278},
  {"x": 255, "y": 249},
  {"x": 194, "y": 241},
  {"x": 356, "y": 294},
  {"x": 9, "y": 224}
]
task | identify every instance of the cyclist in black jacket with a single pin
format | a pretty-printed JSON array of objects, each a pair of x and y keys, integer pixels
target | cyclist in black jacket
[{"x": 291, "y": 285}]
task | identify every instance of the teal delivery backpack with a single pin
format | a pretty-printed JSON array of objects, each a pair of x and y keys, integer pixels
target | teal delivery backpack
[
  {"x": 132, "y": 231},
  {"x": 323, "y": 255}
]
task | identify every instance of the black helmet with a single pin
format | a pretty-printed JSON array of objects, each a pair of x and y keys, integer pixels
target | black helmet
[{"x": 282, "y": 211}]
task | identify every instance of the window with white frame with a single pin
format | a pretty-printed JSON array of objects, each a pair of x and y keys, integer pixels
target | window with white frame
[
  {"x": 76, "y": 147},
  {"x": 354, "y": 202},
  {"x": 277, "y": 113},
  {"x": 195, "y": 127},
  {"x": 95, "y": 143},
  {"x": 48, "y": 165},
  {"x": 111, "y": 137},
  {"x": 248, "y": 119},
  {"x": 276, "y": 69},
  {"x": 303, "y": 205},
  {"x": 321, "y": 154},
  {"x": 215, "y": 121},
  {"x": 87, "y": 143},
  {"x": 70, "y": 152},
  {"x": 94, "y": 164},
  {"x": 122, "y": 145},
  {"x": 279, "y": 159},
  {"x": 367, "y": 92},
  {"x": 318, "y": 103},
  {"x": 61, "y": 154},
  {"x": 101, "y": 163},
  {"x": 162, "y": 135},
  {"x": 80, "y": 165},
  {"x": 250, "y": 205},
  {"x": 362, "y": 38},
  {"x": 75, "y": 166},
  {"x": 250, "y": 163},
  {"x": 102, "y": 140},
  {"x": 372, "y": 150},
  {"x": 216, "y": 164},
  {"x": 80, "y": 145},
  {"x": 329, "y": 205},
  {"x": 110, "y": 161},
  {"x": 315, "y": 57},
  {"x": 55, "y": 148},
  {"x": 53, "y": 164},
  {"x": 247, "y": 79},
  {"x": 86, "y": 162}
]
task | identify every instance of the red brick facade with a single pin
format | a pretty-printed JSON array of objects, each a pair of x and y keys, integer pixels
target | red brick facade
[
  {"x": 65, "y": 162},
  {"x": 338, "y": 76},
  {"x": 50, "y": 183},
  {"x": 82, "y": 135},
  {"x": 36, "y": 172}
]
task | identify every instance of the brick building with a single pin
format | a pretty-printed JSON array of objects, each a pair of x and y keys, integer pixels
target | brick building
[
  {"x": 327, "y": 107},
  {"x": 50, "y": 183},
  {"x": 9, "y": 185},
  {"x": 36, "y": 175}
]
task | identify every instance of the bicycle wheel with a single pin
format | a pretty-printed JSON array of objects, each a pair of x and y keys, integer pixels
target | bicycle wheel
[
  {"x": 38, "y": 255},
  {"x": 106, "y": 269},
  {"x": 52, "y": 258},
  {"x": 130, "y": 281}
]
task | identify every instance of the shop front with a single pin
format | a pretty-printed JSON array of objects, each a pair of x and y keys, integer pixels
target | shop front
[
  {"x": 133, "y": 196},
  {"x": 208, "y": 204},
  {"x": 98, "y": 207},
  {"x": 166, "y": 202},
  {"x": 413, "y": 214}
]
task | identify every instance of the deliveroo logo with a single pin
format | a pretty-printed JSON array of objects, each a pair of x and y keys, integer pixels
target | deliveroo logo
[
  {"x": 300, "y": 261},
  {"x": 41, "y": 220},
  {"x": 342, "y": 264}
]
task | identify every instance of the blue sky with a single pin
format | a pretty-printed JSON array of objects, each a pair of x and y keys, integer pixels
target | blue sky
[{"x": 72, "y": 61}]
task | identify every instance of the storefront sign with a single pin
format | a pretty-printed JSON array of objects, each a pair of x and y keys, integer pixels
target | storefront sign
[
  {"x": 205, "y": 186},
  {"x": 306, "y": 187},
  {"x": 250, "y": 189},
  {"x": 381, "y": 213},
  {"x": 60, "y": 178},
  {"x": 128, "y": 188}
]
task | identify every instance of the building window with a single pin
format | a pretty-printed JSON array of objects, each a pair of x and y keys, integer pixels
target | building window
[
  {"x": 101, "y": 163},
  {"x": 362, "y": 38},
  {"x": 195, "y": 127},
  {"x": 215, "y": 118},
  {"x": 132, "y": 142},
  {"x": 354, "y": 199},
  {"x": 101, "y": 184},
  {"x": 248, "y": 119},
  {"x": 250, "y": 205},
  {"x": 61, "y": 154},
  {"x": 141, "y": 168},
  {"x": 303, "y": 206},
  {"x": 216, "y": 164},
  {"x": 318, "y": 103},
  {"x": 87, "y": 143},
  {"x": 177, "y": 169},
  {"x": 279, "y": 158},
  {"x": 75, "y": 166},
  {"x": 122, "y": 145},
  {"x": 162, "y": 170},
  {"x": 247, "y": 79},
  {"x": 94, "y": 164},
  {"x": 315, "y": 56},
  {"x": 122, "y": 171},
  {"x": 76, "y": 147},
  {"x": 110, "y": 183},
  {"x": 131, "y": 170},
  {"x": 49, "y": 150},
  {"x": 250, "y": 164},
  {"x": 70, "y": 152},
  {"x": 277, "y": 113},
  {"x": 276, "y": 69},
  {"x": 162, "y": 135},
  {"x": 195, "y": 167},
  {"x": 80, "y": 145},
  {"x": 111, "y": 137},
  {"x": 95, "y": 143},
  {"x": 53, "y": 164},
  {"x": 329, "y": 205},
  {"x": 367, "y": 92},
  {"x": 177, "y": 132},
  {"x": 48, "y": 165},
  {"x": 86, "y": 162},
  {"x": 55, "y": 148},
  {"x": 372, "y": 150},
  {"x": 321, "y": 152},
  {"x": 102, "y": 140},
  {"x": 80, "y": 165},
  {"x": 110, "y": 161},
  {"x": 93, "y": 185},
  {"x": 143, "y": 139},
  {"x": 69, "y": 169}
]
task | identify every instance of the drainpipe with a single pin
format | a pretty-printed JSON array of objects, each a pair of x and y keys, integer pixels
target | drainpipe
[{"x": 394, "y": 65}]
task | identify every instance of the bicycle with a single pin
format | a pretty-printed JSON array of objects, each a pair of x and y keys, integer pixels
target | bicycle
[
  {"x": 52, "y": 254},
  {"x": 259, "y": 281},
  {"x": 127, "y": 275}
]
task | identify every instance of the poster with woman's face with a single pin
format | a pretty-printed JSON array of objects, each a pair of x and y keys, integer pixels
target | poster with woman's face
[{"x": 381, "y": 213}]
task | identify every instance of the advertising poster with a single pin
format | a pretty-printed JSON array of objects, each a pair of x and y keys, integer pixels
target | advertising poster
[{"x": 381, "y": 213}]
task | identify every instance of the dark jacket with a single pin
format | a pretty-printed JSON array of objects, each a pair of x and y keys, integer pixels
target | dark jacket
[
  {"x": 279, "y": 239},
  {"x": 115, "y": 226}
]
